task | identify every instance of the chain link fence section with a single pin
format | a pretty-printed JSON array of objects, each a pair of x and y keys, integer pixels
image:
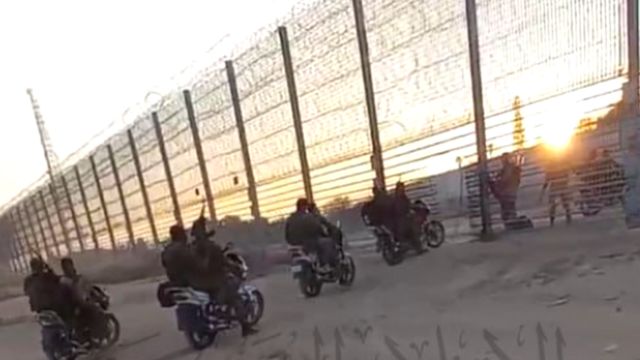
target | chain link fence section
[
  {"x": 221, "y": 145},
  {"x": 181, "y": 153},
  {"x": 581, "y": 48},
  {"x": 420, "y": 66},
  {"x": 552, "y": 78},
  {"x": 268, "y": 122},
  {"x": 326, "y": 63},
  {"x": 86, "y": 235}
]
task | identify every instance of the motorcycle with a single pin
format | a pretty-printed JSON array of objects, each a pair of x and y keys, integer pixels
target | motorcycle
[
  {"x": 307, "y": 271},
  {"x": 431, "y": 233},
  {"x": 593, "y": 200},
  {"x": 61, "y": 342},
  {"x": 201, "y": 318}
]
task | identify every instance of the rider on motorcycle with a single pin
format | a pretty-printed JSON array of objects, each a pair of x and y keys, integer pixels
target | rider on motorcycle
[
  {"x": 177, "y": 258},
  {"x": 380, "y": 210},
  {"x": 45, "y": 291},
  {"x": 215, "y": 274},
  {"x": 330, "y": 229},
  {"x": 306, "y": 229},
  {"x": 406, "y": 229},
  {"x": 86, "y": 310}
]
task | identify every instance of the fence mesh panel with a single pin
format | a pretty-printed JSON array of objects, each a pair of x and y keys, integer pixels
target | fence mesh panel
[{"x": 553, "y": 81}]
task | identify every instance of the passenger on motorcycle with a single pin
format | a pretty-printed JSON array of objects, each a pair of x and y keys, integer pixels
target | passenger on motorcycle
[
  {"x": 406, "y": 228},
  {"x": 305, "y": 229},
  {"x": 87, "y": 312},
  {"x": 177, "y": 258},
  {"x": 380, "y": 210},
  {"x": 45, "y": 292},
  {"x": 215, "y": 275},
  {"x": 330, "y": 230}
]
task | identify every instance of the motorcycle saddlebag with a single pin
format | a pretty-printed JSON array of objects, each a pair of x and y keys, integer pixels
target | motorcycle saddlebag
[{"x": 164, "y": 297}]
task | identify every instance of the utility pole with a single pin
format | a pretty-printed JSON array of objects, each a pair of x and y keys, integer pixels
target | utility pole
[{"x": 53, "y": 168}]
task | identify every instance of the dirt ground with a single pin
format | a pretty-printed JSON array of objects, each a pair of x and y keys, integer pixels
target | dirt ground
[{"x": 562, "y": 293}]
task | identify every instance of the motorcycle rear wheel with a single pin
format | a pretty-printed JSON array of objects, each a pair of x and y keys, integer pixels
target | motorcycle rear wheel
[
  {"x": 310, "y": 285},
  {"x": 200, "y": 340}
]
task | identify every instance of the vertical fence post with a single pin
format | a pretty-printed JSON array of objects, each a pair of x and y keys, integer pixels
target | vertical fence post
[
  {"x": 56, "y": 205},
  {"x": 9, "y": 243},
  {"x": 21, "y": 239},
  {"x": 47, "y": 217},
  {"x": 634, "y": 61},
  {"x": 14, "y": 255},
  {"x": 87, "y": 211},
  {"x": 478, "y": 112},
  {"x": 103, "y": 203},
  {"x": 202, "y": 163},
  {"x": 123, "y": 201},
  {"x": 143, "y": 187},
  {"x": 13, "y": 242},
  {"x": 74, "y": 217},
  {"x": 246, "y": 157},
  {"x": 167, "y": 168},
  {"x": 295, "y": 111},
  {"x": 363, "y": 45},
  {"x": 44, "y": 245},
  {"x": 28, "y": 225}
]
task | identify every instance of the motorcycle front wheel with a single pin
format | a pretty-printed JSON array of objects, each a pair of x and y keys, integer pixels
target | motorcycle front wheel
[
  {"x": 390, "y": 253},
  {"x": 200, "y": 340},
  {"x": 434, "y": 234},
  {"x": 112, "y": 330},
  {"x": 256, "y": 308},
  {"x": 348, "y": 272}
]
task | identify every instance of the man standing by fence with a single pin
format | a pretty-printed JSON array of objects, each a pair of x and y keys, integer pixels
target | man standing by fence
[
  {"x": 557, "y": 182},
  {"x": 505, "y": 188}
]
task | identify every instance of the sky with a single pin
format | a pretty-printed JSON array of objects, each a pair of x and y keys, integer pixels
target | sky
[{"x": 89, "y": 62}]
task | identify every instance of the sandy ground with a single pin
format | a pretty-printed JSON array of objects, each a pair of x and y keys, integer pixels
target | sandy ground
[{"x": 563, "y": 293}]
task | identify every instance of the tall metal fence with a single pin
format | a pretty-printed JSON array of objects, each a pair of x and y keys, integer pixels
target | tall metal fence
[{"x": 342, "y": 92}]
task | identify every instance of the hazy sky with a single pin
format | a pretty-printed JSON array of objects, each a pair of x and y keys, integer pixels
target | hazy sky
[{"x": 89, "y": 61}]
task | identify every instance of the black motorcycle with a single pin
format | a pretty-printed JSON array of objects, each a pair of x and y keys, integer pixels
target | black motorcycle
[
  {"x": 431, "y": 234},
  {"x": 311, "y": 276},
  {"x": 201, "y": 318},
  {"x": 63, "y": 342}
]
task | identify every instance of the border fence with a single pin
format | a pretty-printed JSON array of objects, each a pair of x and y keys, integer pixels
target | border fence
[{"x": 343, "y": 92}]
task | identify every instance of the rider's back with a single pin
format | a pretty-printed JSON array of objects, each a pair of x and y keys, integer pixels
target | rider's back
[
  {"x": 302, "y": 228},
  {"x": 177, "y": 260},
  {"x": 45, "y": 292}
]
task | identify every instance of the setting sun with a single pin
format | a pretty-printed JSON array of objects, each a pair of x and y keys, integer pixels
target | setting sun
[
  {"x": 557, "y": 134},
  {"x": 557, "y": 138}
]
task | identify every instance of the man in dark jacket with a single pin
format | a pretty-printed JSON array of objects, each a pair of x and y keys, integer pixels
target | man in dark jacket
[
  {"x": 380, "y": 210},
  {"x": 177, "y": 258},
  {"x": 405, "y": 225},
  {"x": 213, "y": 273},
  {"x": 305, "y": 229},
  {"x": 88, "y": 315},
  {"x": 45, "y": 291},
  {"x": 505, "y": 188},
  {"x": 331, "y": 235}
]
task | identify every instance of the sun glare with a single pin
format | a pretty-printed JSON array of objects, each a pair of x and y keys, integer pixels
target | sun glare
[{"x": 558, "y": 134}]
